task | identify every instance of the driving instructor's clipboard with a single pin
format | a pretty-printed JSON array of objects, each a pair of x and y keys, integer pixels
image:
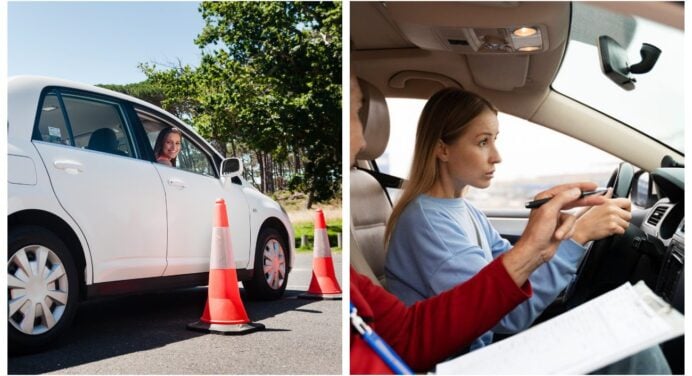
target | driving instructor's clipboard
[{"x": 602, "y": 331}]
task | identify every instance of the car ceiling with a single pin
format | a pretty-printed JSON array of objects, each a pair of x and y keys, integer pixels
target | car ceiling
[
  {"x": 397, "y": 46},
  {"x": 400, "y": 47}
]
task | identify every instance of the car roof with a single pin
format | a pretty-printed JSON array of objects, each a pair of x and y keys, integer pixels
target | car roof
[
  {"x": 24, "y": 91},
  {"x": 37, "y": 83}
]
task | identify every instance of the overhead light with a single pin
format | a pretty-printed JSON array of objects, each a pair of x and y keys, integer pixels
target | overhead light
[
  {"x": 49, "y": 108},
  {"x": 524, "y": 31},
  {"x": 522, "y": 39},
  {"x": 494, "y": 43}
]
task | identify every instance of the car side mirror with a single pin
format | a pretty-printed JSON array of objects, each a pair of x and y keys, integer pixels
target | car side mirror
[
  {"x": 642, "y": 190},
  {"x": 614, "y": 62},
  {"x": 231, "y": 167}
]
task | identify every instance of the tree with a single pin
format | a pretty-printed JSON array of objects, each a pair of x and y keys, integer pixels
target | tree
[
  {"x": 145, "y": 90},
  {"x": 269, "y": 82}
]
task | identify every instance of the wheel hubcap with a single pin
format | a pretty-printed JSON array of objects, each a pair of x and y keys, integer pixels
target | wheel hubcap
[
  {"x": 274, "y": 264},
  {"x": 37, "y": 289}
]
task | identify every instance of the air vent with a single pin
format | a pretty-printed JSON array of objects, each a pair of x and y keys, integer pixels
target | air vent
[{"x": 656, "y": 216}]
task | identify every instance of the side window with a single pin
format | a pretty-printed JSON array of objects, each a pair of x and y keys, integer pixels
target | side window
[
  {"x": 86, "y": 123},
  {"x": 534, "y": 158},
  {"x": 190, "y": 158},
  {"x": 51, "y": 124}
]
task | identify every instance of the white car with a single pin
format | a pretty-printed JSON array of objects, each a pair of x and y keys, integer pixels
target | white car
[{"x": 90, "y": 212}]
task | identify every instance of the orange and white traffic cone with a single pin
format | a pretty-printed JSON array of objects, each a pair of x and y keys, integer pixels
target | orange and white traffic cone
[
  {"x": 323, "y": 284},
  {"x": 224, "y": 312}
]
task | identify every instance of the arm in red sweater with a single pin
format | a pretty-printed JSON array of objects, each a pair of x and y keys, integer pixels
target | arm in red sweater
[{"x": 432, "y": 330}]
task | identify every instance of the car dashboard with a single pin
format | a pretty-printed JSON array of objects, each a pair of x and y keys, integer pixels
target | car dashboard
[{"x": 665, "y": 222}]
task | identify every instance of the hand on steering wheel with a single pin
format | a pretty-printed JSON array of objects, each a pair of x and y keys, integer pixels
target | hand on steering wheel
[
  {"x": 599, "y": 222},
  {"x": 586, "y": 285}
]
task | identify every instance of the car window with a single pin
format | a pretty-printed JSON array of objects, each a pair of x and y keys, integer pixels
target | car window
[
  {"x": 83, "y": 122},
  {"x": 191, "y": 157},
  {"x": 534, "y": 158},
  {"x": 655, "y": 107},
  {"x": 51, "y": 126}
]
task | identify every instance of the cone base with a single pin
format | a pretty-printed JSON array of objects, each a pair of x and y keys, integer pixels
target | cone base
[
  {"x": 231, "y": 329},
  {"x": 312, "y": 296}
]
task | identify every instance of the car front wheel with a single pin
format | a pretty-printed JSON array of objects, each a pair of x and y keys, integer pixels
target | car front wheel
[
  {"x": 42, "y": 288},
  {"x": 271, "y": 270}
]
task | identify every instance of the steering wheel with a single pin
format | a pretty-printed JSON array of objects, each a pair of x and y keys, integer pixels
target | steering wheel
[{"x": 608, "y": 262}]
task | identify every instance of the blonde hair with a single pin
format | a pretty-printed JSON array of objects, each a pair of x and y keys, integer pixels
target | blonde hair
[{"x": 444, "y": 118}]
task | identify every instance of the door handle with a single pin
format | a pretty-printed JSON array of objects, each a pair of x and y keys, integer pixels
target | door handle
[
  {"x": 70, "y": 167},
  {"x": 177, "y": 183}
]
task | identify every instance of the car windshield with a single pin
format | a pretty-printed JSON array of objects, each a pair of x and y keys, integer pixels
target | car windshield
[{"x": 655, "y": 106}]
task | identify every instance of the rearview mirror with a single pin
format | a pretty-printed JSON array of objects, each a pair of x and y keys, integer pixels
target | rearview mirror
[
  {"x": 614, "y": 62},
  {"x": 231, "y": 167}
]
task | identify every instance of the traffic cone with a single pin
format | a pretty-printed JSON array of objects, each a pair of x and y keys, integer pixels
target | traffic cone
[
  {"x": 224, "y": 312},
  {"x": 323, "y": 284}
]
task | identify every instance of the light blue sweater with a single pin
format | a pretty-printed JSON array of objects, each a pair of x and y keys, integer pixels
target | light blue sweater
[{"x": 439, "y": 243}]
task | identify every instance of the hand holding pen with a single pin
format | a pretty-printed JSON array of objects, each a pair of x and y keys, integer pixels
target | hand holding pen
[{"x": 537, "y": 203}]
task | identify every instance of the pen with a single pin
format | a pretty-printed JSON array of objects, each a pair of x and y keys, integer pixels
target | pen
[{"x": 537, "y": 203}]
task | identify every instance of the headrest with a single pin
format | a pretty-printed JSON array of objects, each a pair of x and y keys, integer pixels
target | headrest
[
  {"x": 103, "y": 139},
  {"x": 375, "y": 118}
]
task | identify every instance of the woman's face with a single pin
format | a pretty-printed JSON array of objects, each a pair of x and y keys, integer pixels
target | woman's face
[
  {"x": 471, "y": 158},
  {"x": 171, "y": 146}
]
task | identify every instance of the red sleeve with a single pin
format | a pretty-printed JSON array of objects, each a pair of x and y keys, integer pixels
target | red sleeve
[{"x": 434, "y": 329}]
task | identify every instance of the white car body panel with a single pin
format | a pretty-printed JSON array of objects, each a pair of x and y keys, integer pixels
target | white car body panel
[
  {"x": 263, "y": 209},
  {"x": 40, "y": 197},
  {"x": 191, "y": 199},
  {"x": 112, "y": 204}
]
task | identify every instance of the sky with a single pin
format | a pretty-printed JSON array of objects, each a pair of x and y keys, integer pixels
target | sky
[{"x": 100, "y": 42}]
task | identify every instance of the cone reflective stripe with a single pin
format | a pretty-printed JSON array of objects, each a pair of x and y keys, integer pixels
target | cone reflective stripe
[
  {"x": 224, "y": 312},
  {"x": 323, "y": 284},
  {"x": 221, "y": 240}
]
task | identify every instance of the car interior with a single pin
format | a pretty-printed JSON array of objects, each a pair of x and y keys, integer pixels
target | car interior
[
  {"x": 104, "y": 140},
  {"x": 370, "y": 204},
  {"x": 413, "y": 49}
]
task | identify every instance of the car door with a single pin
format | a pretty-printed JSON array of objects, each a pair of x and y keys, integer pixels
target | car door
[
  {"x": 192, "y": 187},
  {"x": 117, "y": 200}
]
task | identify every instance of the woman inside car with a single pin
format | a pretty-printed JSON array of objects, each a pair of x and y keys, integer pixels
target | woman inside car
[
  {"x": 434, "y": 329},
  {"x": 167, "y": 146},
  {"x": 437, "y": 239}
]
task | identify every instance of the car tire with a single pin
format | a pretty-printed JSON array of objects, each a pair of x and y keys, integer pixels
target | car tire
[
  {"x": 41, "y": 282},
  {"x": 270, "y": 276}
]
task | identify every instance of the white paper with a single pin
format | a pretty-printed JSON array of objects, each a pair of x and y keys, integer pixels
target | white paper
[{"x": 606, "y": 329}]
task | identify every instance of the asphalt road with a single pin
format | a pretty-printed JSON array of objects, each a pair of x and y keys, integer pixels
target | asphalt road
[{"x": 146, "y": 334}]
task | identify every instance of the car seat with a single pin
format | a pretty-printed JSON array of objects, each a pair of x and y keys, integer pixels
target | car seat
[
  {"x": 370, "y": 205},
  {"x": 104, "y": 140}
]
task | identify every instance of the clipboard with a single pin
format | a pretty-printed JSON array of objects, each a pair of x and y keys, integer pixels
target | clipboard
[{"x": 597, "y": 333}]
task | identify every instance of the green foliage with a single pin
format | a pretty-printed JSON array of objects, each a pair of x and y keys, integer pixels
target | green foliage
[
  {"x": 145, "y": 90},
  {"x": 269, "y": 85}
]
